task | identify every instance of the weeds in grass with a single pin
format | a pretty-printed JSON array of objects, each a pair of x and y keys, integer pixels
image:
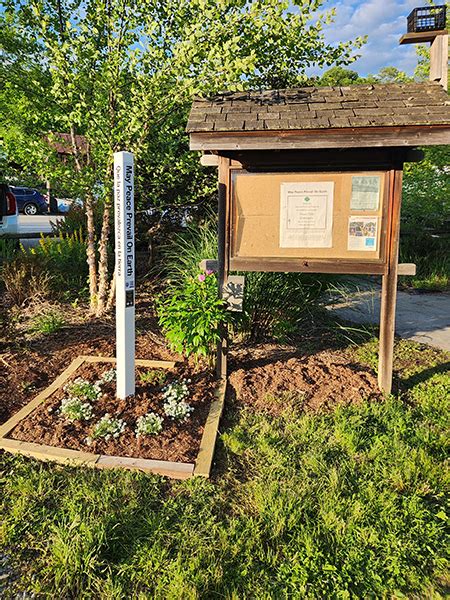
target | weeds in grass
[
  {"x": 48, "y": 323},
  {"x": 349, "y": 504}
]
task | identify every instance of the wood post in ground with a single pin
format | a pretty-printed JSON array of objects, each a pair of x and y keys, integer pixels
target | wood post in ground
[
  {"x": 389, "y": 287},
  {"x": 223, "y": 209}
]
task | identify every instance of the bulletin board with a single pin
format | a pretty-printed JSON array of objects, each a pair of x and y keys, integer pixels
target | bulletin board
[{"x": 326, "y": 216}]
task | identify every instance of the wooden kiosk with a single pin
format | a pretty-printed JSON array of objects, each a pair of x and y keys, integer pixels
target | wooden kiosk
[{"x": 311, "y": 180}]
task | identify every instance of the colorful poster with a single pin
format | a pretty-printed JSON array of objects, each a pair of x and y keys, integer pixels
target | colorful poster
[
  {"x": 362, "y": 233},
  {"x": 365, "y": 192},
  {"x": 306, "y": 214}
]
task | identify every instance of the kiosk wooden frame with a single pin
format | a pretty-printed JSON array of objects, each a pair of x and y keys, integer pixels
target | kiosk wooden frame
[{"x": 321, "y": 130}]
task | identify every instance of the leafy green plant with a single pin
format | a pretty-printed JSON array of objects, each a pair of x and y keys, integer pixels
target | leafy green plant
[
  {"x": 149, "y": 424},
  {"x": 74, "y": 409},
  {"x": 8, "y": 249},
  {"x": 65, "y": 259},
  {"x": 153, "y": 377},
  {"x": 83, "y": 389},
  {"x": 108, "y": 427},
  {"x": 191, "y": 315},
  {"x": 48, "y": 323}
]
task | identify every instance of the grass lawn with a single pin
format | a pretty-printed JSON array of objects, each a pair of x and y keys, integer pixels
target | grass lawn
[{"x": 340, "y": 505}]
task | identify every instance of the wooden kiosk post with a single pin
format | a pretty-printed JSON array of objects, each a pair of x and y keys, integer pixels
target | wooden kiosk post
[{"x": 310, "y": 181}]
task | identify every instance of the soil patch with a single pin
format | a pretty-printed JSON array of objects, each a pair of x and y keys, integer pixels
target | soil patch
[
  {"x": 178, "y": 441},
  {"x": 266, "y": 377}
]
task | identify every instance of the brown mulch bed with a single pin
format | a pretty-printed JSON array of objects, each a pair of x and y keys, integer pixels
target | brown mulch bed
[
  {"x": 265, "y": 377},
  {"x": 178, "y": 441}
]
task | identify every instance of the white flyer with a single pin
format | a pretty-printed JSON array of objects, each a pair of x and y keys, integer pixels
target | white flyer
[
  {"x": 362, "y": 233},
  {"x": 365, "y": 192},
  {"x": 306, "y": 214}
]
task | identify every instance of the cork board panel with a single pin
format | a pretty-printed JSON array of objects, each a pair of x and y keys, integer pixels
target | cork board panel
[{"x": 255, "y": 216}]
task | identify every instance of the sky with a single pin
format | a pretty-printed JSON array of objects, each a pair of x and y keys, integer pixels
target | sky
[{"x": 384, "y": 21}]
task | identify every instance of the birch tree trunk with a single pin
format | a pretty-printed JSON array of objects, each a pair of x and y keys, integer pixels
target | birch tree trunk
[
  {"x": 103, "y": 259},
  {"x": 90, "y": 251}
]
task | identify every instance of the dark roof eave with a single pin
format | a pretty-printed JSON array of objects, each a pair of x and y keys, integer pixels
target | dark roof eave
[{"x": 314, "y": 139}]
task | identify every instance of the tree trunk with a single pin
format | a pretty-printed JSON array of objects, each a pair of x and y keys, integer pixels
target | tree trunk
[
  {"x": 103, "y": 260},
  {"x": 90, "y": 251}
]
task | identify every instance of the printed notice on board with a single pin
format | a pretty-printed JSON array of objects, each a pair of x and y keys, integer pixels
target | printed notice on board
[
  {"x": 362, "y": 233},
  {"x": 365, "y": 192},
  {"x": 306, "y": 214}
]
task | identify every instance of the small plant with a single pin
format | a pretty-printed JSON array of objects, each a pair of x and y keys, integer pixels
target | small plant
[
  {"x": 174, "y": 394},
  {"x": 179, "y": 411},
  {"x": 108, "y": 376},
  {"x": 83, "y": 389},
  {"x": 153, "y": 377},
  {"x": 108, "y": 427},
  {"x": 177, "y": 390},
  {"x": 75, "y": 409},
  {"x": 191, "y": 316},
  {"x": 149, "y": 424},
  {"x": 48, "y": 323}
]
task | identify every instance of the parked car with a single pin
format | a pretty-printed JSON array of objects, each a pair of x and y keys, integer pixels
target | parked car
[
  {"x": 8, "y": 211},
  {"x": 30, "y": 202}
]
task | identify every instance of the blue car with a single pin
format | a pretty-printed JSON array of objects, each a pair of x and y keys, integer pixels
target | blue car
[{"x": 29, "y": 201}]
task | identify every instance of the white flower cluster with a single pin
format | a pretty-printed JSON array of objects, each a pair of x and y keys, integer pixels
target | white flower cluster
[
  {"x": 149, "y": 424},
  {"x": 177, "y": 410},
  {"x": 174, "y": 394},
  {"x": 108, "y": 376},
  {"x": 83, "y": 389},
  {"x": 108, "y": 427},
  {"x": 74, "y": 409}
]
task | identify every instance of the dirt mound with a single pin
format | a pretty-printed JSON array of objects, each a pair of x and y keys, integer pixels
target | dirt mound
[{"x": 318, "y": 382}]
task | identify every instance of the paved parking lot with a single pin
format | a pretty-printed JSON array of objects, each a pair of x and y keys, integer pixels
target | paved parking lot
[{"x": 36, "y": 224}]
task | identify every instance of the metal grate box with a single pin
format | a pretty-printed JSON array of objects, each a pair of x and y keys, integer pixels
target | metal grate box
[{"x": 427, "y": 18}]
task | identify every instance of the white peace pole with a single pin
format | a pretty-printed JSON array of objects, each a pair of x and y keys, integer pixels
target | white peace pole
[{"x": 124, "y": 234}]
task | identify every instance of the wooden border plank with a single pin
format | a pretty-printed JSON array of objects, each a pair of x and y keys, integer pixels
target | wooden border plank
[
  {"x": 176, "y": 470},
  {"x": 52, "y": 453},
  {"x": 161, "y": 364},
  {"x": 207, "y": 445}
]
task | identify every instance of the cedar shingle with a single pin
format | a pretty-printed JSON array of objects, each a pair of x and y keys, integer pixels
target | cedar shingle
[{"x": 316, "y": 108}]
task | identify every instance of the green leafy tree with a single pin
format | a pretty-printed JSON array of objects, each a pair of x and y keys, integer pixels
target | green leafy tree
[
  {"x": 121, "y": 73},
  {"x": 339, "y": 76}
]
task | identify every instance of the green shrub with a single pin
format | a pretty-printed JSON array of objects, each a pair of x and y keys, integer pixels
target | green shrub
[
  {"x": 65, "y": 259},
  {"x": 48, "y": 323},
  {"x": 8, "y": 249},
  {"x": 26, "y": 279},
  {"x": 274, "y": 303},
  {"x": 190, "y": 316}
]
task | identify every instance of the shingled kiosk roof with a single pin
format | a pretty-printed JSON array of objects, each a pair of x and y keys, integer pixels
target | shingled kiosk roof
[{"x": 362, "y": 115}]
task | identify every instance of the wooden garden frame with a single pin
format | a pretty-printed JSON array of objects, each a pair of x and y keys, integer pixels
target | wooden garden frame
[{"x": 175, "y": 470}]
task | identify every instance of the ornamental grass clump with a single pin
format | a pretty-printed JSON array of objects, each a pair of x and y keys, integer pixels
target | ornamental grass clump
[
  {"x": 174, "y": 394},
  {"x": 149, "y": 424},
  {"x": 74, "y": 409},
  {"x": 108, "y": 427},
  {"x": 83, "y": 389}
]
